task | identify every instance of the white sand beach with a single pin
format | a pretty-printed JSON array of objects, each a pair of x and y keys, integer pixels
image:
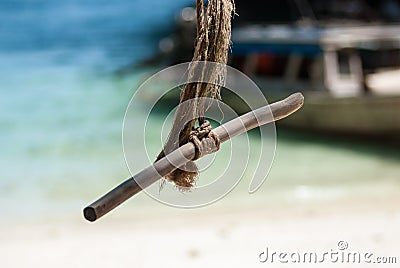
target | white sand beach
[{"x": 221, "y": 235}]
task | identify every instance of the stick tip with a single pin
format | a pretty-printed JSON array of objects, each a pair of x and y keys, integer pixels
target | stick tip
[
  {"x": 296, "y": 98},
  {"x": 90, "y": 214}
]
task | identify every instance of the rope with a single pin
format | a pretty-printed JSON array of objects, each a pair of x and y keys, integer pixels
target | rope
[
  {"x": 212, "y": 45},
  {"x": 197, "y": 135}
]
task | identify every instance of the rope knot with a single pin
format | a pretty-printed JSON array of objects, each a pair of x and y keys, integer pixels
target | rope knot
[{"x": 201, "y": 138}]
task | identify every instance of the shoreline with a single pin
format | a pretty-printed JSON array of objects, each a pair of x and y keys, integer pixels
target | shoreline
[{"x": 152, "y": 235}]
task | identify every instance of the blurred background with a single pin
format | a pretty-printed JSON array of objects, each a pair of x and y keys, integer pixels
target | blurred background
[{"x": 69, "y": 69}]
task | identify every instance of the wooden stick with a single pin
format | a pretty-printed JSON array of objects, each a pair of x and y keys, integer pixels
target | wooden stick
[{"x": 186, "y": 153}]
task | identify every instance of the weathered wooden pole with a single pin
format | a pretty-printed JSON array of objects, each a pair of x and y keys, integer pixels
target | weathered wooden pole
[{"x": 186, "y": 153}]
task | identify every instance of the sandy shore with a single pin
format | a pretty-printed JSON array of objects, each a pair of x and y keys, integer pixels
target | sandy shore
[{"x": 221, "y": 235}]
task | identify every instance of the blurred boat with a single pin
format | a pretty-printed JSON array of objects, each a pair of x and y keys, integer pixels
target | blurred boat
[
  {"x": 343, "y": 55},
  {"x": 350, "y": 75}
]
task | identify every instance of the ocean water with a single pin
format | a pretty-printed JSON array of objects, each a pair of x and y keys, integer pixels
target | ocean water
[
  {"x": 62, "y": 107},
  {"x": 61, "y": 104}
]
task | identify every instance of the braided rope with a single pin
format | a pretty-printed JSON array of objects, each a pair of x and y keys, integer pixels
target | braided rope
[{"x": 212, "y": 45}]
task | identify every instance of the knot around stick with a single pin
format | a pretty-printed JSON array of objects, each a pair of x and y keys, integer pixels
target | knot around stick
[
  {"x": 163, "y": 167},
  {"x": 202, "y": 137}
]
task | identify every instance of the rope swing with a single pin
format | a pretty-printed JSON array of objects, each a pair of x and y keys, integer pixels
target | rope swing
[{"x": 186, "y": 142}]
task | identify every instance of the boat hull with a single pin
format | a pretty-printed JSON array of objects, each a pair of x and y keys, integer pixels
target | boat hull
[{"x": 374, "y": 116}]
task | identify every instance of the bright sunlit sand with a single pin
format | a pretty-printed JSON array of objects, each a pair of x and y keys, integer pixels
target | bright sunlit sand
[{"x": 226, "y": 234}]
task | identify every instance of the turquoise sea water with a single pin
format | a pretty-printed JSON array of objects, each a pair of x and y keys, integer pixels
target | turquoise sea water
[{"x": 62, "y": 107}]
